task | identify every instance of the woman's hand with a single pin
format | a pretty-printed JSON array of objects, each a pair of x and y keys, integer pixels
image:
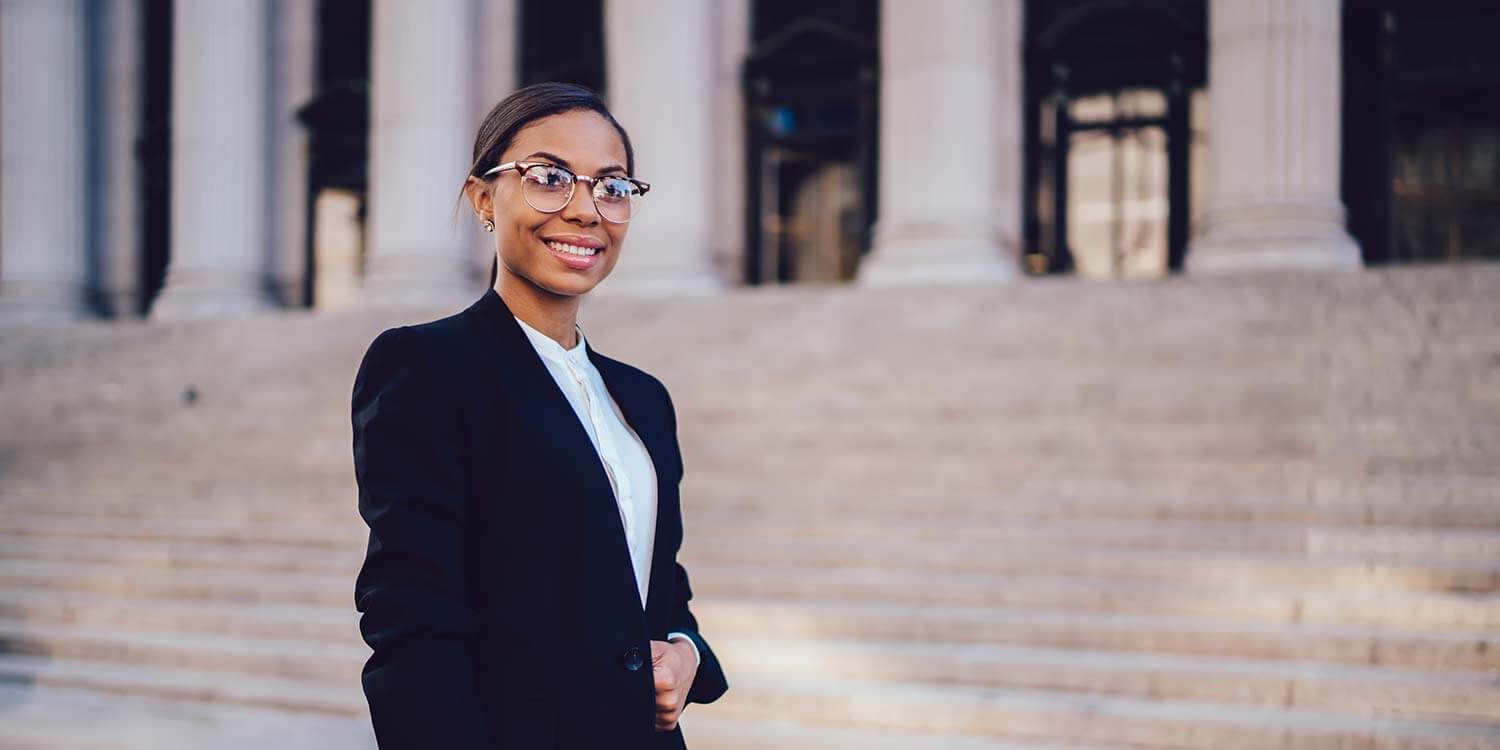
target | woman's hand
[{"x": 674, "y": 666}]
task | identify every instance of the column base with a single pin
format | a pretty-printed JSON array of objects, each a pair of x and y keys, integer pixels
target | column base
[
  {"x": 660, "y": 282},
  {"x": 927, "y": 254},
  {"x": 420, "y": 281},
  {"x": 1274, "y": 235},
  {"x": 41, "y": 302},
  {"x": 200, "y": 295}
]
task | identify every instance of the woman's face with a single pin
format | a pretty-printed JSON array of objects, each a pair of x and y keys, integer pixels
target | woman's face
[{"x": 529, "y": 241}]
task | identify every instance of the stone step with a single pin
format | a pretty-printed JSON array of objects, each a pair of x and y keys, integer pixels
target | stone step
[
  {"x": 40, "y": 715},
  {"x": 1464, "y": 697},
  {"x": 1458, "y": 547},
  {"x": 174, "y": 554},
  {"x": 351, "y": 533},
  {"x": 211, "y": 585},
  {"x": 330, "y": 624},
  {"x": 1458, "y": 611},
  {"x": 1285, "y": 642},
  {"x": 77, "y": 669},
  {"x": 1000, "y": 713},
  {"x": 194, "y": 669},
  {"x": 56, "y": 705},
  {"x": 1409, "y": 609},
  {"x": 1234, "y": 571},
  {"x": 1385, "y": 543},
  {"x": 1078, "y": 498},
  {"x": 707, "y": 727},
  {"x": 715, "y": 545},
  {"x": 881, "y": 621},
  {"x": 328, "y": 663}
]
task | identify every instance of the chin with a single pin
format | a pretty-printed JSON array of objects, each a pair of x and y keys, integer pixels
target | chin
[{"x": 568, "y": 285}]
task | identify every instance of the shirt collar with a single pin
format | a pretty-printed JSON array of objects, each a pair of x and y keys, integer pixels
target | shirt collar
[{"x": 554, "y": 351}]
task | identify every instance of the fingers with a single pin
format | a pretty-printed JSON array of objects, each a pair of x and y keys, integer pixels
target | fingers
[
  {"x": 666, "y": 719},
  {"x": 658, "y": 650}
]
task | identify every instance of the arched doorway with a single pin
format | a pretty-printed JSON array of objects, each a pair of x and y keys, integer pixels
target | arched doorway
[
  {"x": 811, "y": 86},
  {"x": 1110, "y": 134}
]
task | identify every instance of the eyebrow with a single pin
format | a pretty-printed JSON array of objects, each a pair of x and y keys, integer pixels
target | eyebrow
[{"x": 561, "y": 162}]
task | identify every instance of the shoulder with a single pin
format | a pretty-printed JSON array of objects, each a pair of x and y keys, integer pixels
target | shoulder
[
  {"x": 429, "y": 345},
  {"x": 421, "y": 355}
]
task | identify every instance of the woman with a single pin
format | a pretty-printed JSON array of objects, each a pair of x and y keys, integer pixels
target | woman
[{"x": 520, "y": 588}]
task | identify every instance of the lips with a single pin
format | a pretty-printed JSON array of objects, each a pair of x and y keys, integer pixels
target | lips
[{"x": 575, "y": 252}]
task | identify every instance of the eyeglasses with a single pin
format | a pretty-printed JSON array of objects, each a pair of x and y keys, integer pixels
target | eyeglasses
[{"x": 548, "y": 187}]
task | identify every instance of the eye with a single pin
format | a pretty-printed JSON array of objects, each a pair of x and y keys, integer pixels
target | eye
[
  {"x": 548, "y": 177},
  {"x": 617, "y": 189}
]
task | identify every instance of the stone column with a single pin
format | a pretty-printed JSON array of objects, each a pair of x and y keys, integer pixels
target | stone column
[
  {"x": 1274, "y": 113},
  {"x": 42, "y": 150},
  {"x": 497, "y": 61},
  {"x": 946, "y": 99},
  {"x": 220, "y": 161},
  {"x": 420, "y": 138},
  {"x": 729, "y": 126},
  {"x": 660, "y": 78},
  {"x": 116, "y": 237},
  {"x": 293, "y": 55}
]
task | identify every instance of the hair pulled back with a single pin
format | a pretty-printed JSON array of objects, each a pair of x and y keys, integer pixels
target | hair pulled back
[{"x": 527, "y": 105}]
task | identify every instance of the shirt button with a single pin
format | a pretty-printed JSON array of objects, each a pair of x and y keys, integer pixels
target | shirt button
[{"x": 632, "y": 659}]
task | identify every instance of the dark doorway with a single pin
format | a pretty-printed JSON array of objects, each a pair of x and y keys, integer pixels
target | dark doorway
[
  {"x": 338, "y": 130},
  {"x": 562, "y": 42},
  {"x": 1421, "y": 161},
  {"x": 154, "y": 148},
  {"x": 1108, "y": 133},
  {"x": 811, "y": 86}
]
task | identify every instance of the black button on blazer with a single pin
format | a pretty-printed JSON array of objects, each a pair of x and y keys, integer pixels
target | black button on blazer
[{"x": 497, "y": 592}]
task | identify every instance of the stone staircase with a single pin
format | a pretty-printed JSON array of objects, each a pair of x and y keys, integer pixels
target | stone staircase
[{"x": 1201, "y": 513}]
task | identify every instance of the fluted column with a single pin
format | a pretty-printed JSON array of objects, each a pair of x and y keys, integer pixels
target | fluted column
[
  {"x": 117, "y": 234},
  {"x": 498, "y": 65},
  {"x": 420, "y": 138},
  {"x": 660, "y": 78},
  {"x": 220, "y": 161},
  {"x": 293, "y": 53},
  {"x": 1274, "y": 203},
  {"x": 42, "y": 149},
  {"x": 733, "y": 45},
  {"x": 946, "y": 102}
]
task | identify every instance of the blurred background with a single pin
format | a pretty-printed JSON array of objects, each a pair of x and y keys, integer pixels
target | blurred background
[{"x": 1050, "y": 373}]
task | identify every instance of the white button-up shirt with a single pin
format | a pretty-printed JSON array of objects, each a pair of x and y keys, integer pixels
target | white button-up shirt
[{"x": 626, "y": 461}]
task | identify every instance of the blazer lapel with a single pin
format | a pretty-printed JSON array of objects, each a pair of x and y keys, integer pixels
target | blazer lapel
[
  {"x": 634, "y": 395},
  {"x": 515, "y": 361}
]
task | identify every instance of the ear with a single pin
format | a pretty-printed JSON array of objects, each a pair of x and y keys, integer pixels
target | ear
[{"x": 480, "y": 198}]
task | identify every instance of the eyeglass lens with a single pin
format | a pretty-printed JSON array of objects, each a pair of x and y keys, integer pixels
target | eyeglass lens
[{"x": 548, "y": 188}]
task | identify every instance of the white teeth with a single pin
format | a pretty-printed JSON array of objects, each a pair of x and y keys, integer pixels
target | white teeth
[{"x": 572, "y": 249}]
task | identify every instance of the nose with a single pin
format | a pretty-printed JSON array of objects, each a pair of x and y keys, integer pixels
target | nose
[{"x": 580, "y": 208}]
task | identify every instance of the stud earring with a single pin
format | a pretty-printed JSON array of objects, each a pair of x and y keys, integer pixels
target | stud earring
[{"x": 489, "y": 226}]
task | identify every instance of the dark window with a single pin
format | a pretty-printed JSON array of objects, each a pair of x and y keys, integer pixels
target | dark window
[
  {"x": 563, "y": 41},
  {"x": 1421, "y": 166},
  {"x": 811, "y": 85}
]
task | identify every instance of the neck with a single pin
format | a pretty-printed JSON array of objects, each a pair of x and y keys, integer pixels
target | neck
[{"x": 555, "y": 315}]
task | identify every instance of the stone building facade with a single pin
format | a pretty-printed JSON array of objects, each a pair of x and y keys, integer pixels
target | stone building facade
[{"x": 195, "y": 158}]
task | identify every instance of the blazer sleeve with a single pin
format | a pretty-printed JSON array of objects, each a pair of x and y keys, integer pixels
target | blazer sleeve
[
  {"x": 709, "y": 683},
  {"x": 416, "y": 610}
]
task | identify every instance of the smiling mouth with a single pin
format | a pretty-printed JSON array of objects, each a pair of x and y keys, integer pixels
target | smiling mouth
[{"x": 582, "y": 252}]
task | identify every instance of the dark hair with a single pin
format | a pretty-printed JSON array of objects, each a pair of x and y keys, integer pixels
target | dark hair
[{"x": 527, "y": 105}]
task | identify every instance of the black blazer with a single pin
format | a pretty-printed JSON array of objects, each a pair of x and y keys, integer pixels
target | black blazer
[{"x": 497, "y": 591}]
